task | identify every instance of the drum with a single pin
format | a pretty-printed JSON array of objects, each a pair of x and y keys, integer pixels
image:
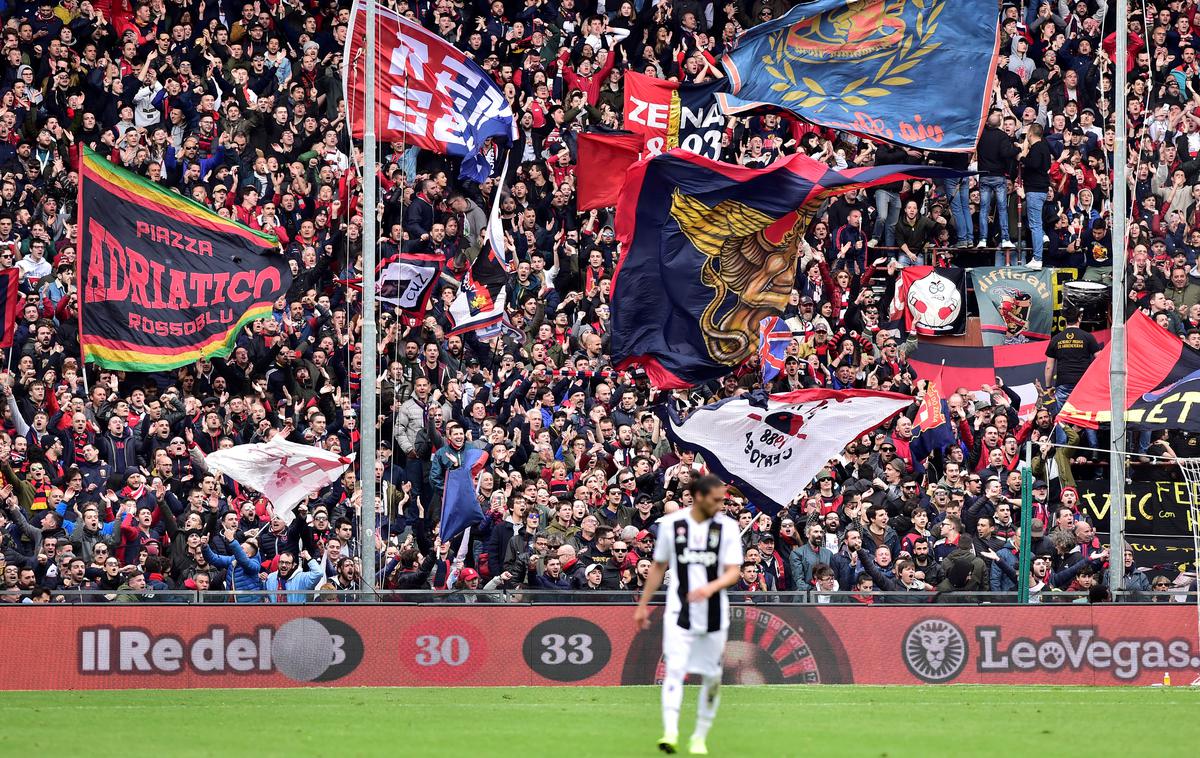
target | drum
[{"x": 1093, "y": 301}]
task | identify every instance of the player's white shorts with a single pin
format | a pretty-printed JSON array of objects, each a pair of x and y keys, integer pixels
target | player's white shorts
[{"x": 699, "y": 652}]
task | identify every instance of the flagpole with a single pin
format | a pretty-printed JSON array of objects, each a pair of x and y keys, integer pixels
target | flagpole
[
  {"x": 1117, "y": 364},
  {"x": 370, "y": 360}
]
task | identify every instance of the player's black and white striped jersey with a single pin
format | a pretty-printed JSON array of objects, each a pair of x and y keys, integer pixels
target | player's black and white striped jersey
[{"x": 697, "y": 553}]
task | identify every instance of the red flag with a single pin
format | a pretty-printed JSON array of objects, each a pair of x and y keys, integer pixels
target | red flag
[
  {"x": 429, "y": 94},
  {"x": 1158, "y": 389},
  {"x": 603, "y": 161},
  {"x": 9, "y": 297}
]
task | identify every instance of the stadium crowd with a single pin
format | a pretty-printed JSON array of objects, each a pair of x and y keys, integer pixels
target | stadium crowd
[{"x": 239, "y": 106}]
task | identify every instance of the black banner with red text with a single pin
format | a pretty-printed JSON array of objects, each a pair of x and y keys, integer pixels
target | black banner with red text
[{"x": 163, "y": 280}]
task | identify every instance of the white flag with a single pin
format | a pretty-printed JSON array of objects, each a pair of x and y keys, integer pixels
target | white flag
[
  {"x": 284, "y": 472},
  {"x": 772, "y": 446}
]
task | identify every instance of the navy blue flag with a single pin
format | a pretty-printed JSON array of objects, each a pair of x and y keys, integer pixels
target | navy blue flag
[
  {"x": 932, "y": 428},
  {"x": 709, "y": 250},
  {"x": 460, "y": 501},
  {"x": 915, "y": 72}
]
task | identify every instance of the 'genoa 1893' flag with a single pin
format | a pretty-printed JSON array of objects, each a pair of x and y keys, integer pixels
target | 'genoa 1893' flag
[
  {"x": 429, "y": 93},
  {"x": 709, "y": 250},
  {"x": 933, "y": 428},
  {"x": 1162, "y": 388},
  {"x": 9, "y": 298},
  {"x": 163, "y": 280},
  {"x": 931, "y": 300},
  {"x": 869, "y": 66},
  {"x": 772, "y": 446}
]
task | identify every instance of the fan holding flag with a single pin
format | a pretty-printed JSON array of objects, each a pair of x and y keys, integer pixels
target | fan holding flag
[{"x": 932, "y": 428}]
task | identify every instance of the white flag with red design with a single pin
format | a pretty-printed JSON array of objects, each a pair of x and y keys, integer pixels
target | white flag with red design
[
  {"x": 284, "y": 472},
  {"x": 772, "y": 446}
]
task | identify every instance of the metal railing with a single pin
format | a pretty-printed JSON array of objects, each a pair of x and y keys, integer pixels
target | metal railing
[{"x": 572, "y": 597}]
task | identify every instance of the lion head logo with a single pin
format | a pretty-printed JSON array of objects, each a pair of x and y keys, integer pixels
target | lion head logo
[{"x": 935, "y": 650}]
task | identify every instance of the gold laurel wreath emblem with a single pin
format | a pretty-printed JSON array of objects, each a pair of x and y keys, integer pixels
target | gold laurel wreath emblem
[{"x": 859, "y": 92}]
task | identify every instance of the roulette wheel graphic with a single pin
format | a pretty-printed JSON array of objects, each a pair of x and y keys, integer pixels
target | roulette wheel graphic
[{"x": 767, "y": 645}]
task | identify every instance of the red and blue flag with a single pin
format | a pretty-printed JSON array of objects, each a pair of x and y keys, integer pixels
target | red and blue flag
[
  {"x": 710, "y": 250},
  {"x": 774, "y": 337}
]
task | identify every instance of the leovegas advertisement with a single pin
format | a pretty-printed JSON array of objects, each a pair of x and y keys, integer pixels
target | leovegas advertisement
[{"x": 109, "y": 647}]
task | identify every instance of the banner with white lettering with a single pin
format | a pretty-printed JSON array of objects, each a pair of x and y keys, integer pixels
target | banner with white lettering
[
  {"x": 673, "y": 114},
  {"x": 772, "y": 446},
  {"x": 284, "y": 472},
  {"x": 429, "y": 94}
]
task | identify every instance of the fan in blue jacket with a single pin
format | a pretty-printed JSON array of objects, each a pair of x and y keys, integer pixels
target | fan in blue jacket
[
  {"x": 296, "y": 583},
  {"x": 241, "y": 569}
]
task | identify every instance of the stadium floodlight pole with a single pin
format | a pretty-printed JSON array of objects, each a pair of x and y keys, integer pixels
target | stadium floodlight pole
[
  {"x": 370, "y": 361},
  {"x": 1117, "y": 368},
  {"x": 1026, "y": 542}
]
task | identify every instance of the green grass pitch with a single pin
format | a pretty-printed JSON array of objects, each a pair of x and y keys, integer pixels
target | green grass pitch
[{"x": 883, "y": 722}]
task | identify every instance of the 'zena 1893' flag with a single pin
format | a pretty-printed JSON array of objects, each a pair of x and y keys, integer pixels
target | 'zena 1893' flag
[
  {"x": 163, "y": 280},
  {"x": 914, "y": 72},
  {"x": 675, "y": 114},
  {"x": 284, "y": 472},
  {"x": 429, "y": 93},
  {"x": 772, "y": 446},
  {"x": 709, "y": 250}
]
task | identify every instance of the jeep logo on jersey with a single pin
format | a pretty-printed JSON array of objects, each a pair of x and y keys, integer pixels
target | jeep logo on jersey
[
  {"x": 303, "y": 650},
  {"x": 934, "y": 650},
  {"x": 702, "y": 557}
]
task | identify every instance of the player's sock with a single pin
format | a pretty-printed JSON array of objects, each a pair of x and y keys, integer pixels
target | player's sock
[
  {"x": 672, "y": 701},
  {"x": 706, "y": 709}
]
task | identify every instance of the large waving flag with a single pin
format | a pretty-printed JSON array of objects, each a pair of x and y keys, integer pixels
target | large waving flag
[
  {"x": 284, "y": 472},
  {"x": 163, "y": 280},
  {"x": 772, "y": 446},
  {"x": 1160, "y": 391},
  {"x": 460, "y": 499},
  {"x": 932, "y": 428},
  {"x": 869, "y": 66},
  {"x": 430, "y": 94},
  {"x": 954, "y": 367},
  {"x": 709, "y": 250}
]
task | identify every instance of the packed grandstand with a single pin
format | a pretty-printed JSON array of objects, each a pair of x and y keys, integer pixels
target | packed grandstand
[{"x": 108, "y": 493}]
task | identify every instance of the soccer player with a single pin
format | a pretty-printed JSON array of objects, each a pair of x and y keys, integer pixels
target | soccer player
[{"x": 703, "y": 551}]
